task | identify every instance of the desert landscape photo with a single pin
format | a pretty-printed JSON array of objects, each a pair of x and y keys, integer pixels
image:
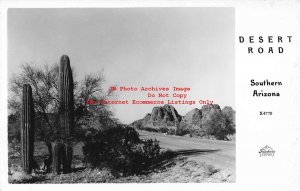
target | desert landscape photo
[{"x": 121, "y": 95}]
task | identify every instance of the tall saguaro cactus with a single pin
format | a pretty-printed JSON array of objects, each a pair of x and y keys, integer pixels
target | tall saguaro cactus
[
  {"x": 27, "y": 129},
  {"x": 66, "y": 96}
]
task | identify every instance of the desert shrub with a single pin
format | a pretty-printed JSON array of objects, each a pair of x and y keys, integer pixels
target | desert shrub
[
  {"x": 218, "y": 131},
  {"x": 217, "y": 125},
  {"x": 184, "y": 129},
  {"x": 183, "y": 132},
  {"x": 230, "y": 126},
  {"x": 13, "y": 130},
  {"x": 14, "y": 134},
  {"x": 163, "y": 130},
  {"x": 171, "y": 132},
  {"x": 121, "y": 150},
  {"x": 151, "y": 150}
]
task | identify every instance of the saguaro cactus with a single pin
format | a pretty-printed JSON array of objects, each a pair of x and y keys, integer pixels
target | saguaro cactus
[
  {"x": 66, "y": 96},
  {"x": 68, "y": 159},
  {"x": 58, "y": 156},
  {"x": 27, "y": 129}
]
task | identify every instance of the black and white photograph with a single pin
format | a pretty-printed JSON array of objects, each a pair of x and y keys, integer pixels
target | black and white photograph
[
  {"x": 121, "y": 95},
  {"x": 149, "y": 95}
]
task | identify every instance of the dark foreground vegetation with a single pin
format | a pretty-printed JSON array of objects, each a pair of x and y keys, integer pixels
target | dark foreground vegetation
[
  {"x": 127, "y": 159},
  {"x": 121, "y": 150}
]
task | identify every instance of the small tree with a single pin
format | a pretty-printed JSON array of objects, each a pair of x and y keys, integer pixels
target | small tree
[{"x": 229, "y": 115}]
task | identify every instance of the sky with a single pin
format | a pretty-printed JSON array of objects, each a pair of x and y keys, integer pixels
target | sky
[{"x": 160, "y": 47}]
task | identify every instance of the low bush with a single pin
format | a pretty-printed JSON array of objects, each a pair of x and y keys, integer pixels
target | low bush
[
  {"x": 183, "y": 132},
  {"x": 121, "y": 150}
]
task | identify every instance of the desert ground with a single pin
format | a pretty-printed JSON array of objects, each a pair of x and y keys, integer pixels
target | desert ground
[
  {"x": 195, "y": 160},
  {"x": 220, "y": 154}
]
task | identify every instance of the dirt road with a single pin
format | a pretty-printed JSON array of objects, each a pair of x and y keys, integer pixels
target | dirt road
[{"x": 220, "y": 154}]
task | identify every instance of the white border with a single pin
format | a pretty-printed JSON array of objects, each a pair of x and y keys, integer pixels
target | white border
[{"x": 240, "y": 183}]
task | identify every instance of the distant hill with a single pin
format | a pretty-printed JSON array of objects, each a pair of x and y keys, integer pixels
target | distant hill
[{"x": 208, "y": 122}]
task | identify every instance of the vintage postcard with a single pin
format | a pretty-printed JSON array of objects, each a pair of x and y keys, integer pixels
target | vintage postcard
[{"x": 194, "y": 95}]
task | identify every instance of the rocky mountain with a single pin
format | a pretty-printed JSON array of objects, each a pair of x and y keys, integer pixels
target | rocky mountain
[
  {"x": 162, "y": 117},
  {"x": 193, "y": 117},
  {"x": 166, "y": 113},
  {"x": 204, "y": 122}
]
